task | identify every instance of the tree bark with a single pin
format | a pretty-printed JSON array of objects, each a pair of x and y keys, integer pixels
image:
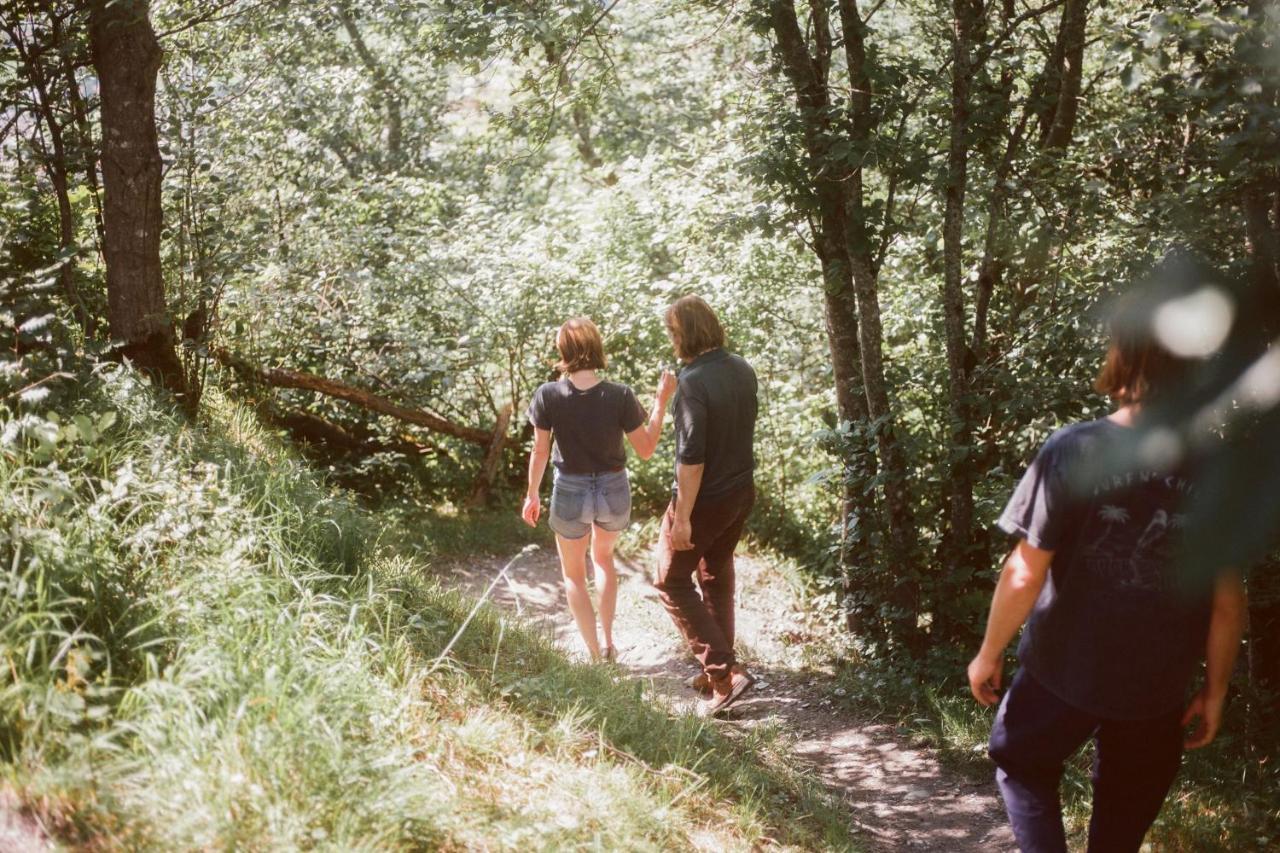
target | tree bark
[
  {"x": 966, "y": 27},
  {"x": 127, "y": 58},
  {"x": 847, "y": 258},
  {"x": 492, "y": 458},
  {"x": 1070, "y": 55},
  {"x": 862, "y": 119}
]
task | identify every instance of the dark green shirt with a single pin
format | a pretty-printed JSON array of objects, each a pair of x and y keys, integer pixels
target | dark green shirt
[{"x": 715, "y": 421}]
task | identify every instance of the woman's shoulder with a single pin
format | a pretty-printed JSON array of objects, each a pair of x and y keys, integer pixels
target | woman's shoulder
[
  {"x": 618, "y": 389},
  {"x": 549, "y": 389}
]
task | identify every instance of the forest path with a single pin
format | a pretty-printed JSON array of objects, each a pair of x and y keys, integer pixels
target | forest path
[{"x": 902, "y": 798}]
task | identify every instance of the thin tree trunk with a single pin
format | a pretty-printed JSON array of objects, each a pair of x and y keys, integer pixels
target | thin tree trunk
[
  {"x": 389, "y": 100},
  {"x": 808, "y": 75},
  {"x": 127, "y": 59},
  {"x": 1067, "y": 95},
  {"x": 966, "y": 26},
  {"x": 55, "y": 163},
  {"x": 901, "y": 522},
  {"x": 84, "y": 131}
]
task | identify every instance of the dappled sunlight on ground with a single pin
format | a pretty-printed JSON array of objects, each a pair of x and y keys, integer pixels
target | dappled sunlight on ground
[{"x": 901, "y": 797}]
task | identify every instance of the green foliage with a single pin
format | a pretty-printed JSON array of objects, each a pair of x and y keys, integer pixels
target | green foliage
[{"x": 205, "y": 647}]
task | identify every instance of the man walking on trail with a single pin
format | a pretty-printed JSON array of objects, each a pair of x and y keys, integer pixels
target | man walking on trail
[
  {"x": 715, "y": 415},
  {"x": 1115, "y": 633}
]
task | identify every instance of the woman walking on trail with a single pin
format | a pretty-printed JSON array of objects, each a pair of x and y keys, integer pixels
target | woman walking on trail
[{"x": 591, "y": 499}]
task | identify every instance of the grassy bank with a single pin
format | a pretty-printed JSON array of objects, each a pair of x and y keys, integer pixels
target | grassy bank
[{"x": 205, "y": 647}]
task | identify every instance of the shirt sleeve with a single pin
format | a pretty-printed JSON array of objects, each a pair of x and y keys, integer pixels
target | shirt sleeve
[
  {"x": 1038, "y": 510},
  {"x": 538, "y": 414},
  {"x": 633, "y": 414},
  {"x": 690, "y": 416}
]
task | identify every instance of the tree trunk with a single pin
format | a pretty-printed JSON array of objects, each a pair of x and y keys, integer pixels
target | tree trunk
[
  {"x": 966, "y": 27},
  {"x": 388, "y": 99},
  {"x": 829, "y": 181},
  {"x": 492, "y": 459},
  {"x": 1071, "y": 38},
  {"x": 127, "y": 57},
  {"x": 55, "y": 163},
  {"x": 862, "y": 119}
]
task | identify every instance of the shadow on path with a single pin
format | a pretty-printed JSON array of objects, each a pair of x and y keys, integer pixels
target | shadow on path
[{"x": 901, "y": 797}]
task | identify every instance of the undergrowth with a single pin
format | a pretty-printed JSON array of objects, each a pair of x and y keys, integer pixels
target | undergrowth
[{"x": 205, "y": 647}]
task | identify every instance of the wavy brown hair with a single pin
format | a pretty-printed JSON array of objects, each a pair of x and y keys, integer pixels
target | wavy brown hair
[
  {"x": 580, "y": 346},
  {"x": 1137, "y": 367},
  {"x": 693, "y": 326}
]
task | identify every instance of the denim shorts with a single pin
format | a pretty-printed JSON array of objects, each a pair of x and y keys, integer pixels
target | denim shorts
[{"x": 580, "y": 500}]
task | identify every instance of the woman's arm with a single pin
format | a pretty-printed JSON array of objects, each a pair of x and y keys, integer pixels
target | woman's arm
[
  {"x": 1020, "y": 583},
  {"x": 537, "y": 467},
  {"x": 645, "y": 437},
  {"x": 1226, "y": 627}
]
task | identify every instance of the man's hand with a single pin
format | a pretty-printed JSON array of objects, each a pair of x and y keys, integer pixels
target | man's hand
[
  {"x": 1207, "y": 710},
  {"x": 984, "y": 679},
  {"x": 681, "y": 534},
  {"x": 666, "y": 387},
  {"x": 532, "y": 510}
]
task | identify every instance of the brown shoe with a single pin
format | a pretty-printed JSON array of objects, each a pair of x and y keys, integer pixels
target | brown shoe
[
  {"x": 700, "y": 682},
  {"x": 724, "y": 692}
]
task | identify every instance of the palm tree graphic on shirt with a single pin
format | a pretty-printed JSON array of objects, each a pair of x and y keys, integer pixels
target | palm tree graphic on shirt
[{"x": 1110, "y": 515}]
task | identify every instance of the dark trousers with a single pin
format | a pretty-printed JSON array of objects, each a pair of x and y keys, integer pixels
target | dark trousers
[
  {"x": 1036, "y": 732},
  {"x": 705, "y": 620}
]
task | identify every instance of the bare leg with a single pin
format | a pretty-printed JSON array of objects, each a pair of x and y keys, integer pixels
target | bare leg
[
  {"x": 602, "y": 543},
  {"x": 573, "y": 565}
]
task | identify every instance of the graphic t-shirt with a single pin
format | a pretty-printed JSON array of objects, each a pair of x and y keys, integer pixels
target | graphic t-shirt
[
  {"x": 587, "y": 426},
  {"x": 1116, "y": 632}
]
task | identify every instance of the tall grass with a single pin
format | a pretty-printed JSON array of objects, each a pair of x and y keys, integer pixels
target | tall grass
[{"x": 204, "y": 647}]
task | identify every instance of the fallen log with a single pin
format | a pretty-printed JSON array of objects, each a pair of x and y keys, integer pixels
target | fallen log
[
  {"x": 313, "y": 429},
  {"x": 280, "y": 377}
]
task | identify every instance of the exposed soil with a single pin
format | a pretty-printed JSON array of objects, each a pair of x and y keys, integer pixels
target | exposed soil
[
  {"x": 902, "y": 798},
  {"x": 19, "y": 832}
]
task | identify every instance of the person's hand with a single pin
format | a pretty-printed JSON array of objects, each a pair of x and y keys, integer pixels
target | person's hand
[
  {"x": 666, "y": 386},
  {"x": 1207, "y": 712},
  {"x": 532, "y": 510},
  {"x": 681, "y": 534},
  {"x": 984, "y": 679}
]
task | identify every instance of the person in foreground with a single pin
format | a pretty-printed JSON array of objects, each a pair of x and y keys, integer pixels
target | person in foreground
[
  {"x": 591, "y": 498},
  {"x": 1115, "y": 633},
  {"x": 714, "y": 414}
]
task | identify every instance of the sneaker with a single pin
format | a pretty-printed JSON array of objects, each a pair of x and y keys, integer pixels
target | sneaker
[{"x": 724, "y": 692}]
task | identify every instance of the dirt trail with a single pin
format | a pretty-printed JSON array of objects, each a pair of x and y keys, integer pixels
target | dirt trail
[{"x": 901, "y": 797}]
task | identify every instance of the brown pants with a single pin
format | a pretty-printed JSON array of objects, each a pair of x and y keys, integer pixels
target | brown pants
[{"x": 705, "y": 620}]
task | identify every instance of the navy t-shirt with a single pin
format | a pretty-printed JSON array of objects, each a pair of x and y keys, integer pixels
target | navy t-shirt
[
  {"x": 587, "y": 426},
  {"x": 1115, "y": 632}
]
